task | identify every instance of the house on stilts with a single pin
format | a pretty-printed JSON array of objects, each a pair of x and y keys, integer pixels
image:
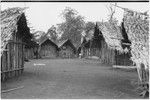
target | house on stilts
[
  {"x": 14, "y": 36},
  {"x": 66, "y": 49}
]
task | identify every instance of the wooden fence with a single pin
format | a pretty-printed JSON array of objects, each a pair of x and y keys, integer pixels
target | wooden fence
[
  {"x": 105, "y": 54},
  {"x": 123, "y": 59},
  {"x": 91, "y": 52},
  {"x": 12, "y": 60},
  {"x": 108, "y": 56}
]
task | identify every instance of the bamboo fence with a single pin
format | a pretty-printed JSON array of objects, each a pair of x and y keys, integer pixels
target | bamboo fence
[{"x": 12, "y": 60}]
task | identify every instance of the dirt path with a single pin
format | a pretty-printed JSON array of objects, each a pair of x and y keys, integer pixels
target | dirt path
[{"x": 71, "y": 78}]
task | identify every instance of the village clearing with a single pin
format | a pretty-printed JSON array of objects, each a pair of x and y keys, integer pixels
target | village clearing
[{"x": 71, "y": 79}]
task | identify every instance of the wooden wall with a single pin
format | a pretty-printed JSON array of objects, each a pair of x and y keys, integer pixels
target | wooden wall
[
  {"x": 12, "y": 59},
  {"x": 123, "y": 59},
  {"x": 48, "y": 51},
  {"x": 66, "y": 52},
  {"x": 91, "y": 52},
  {"x": 105, "y": 54}
]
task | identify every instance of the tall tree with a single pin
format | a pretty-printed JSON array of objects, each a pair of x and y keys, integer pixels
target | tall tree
[
  {"x": 89, "y": 30},
  {"x": 38, "y": 35},
  {"x": 89, "y": 26},
  {"x": 96, "y": 37},
  {"x": 72, "y": 26},
  {"x": 52, "y": 34}
]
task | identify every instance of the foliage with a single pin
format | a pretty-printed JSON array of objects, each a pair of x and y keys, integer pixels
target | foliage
[
  {"x": 89, "y": 26},
  {"x": 38, "y": 35},
  {"x": 89, "y": 30},
  {"x": 72, "y": 26},
  {"x": 97, "y": 37},
  {"x": 52, "y": 33},
  {"x": 112, "y": 10}
]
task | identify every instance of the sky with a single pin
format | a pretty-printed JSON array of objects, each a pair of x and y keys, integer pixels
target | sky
[{"x": 42, "y": 15}]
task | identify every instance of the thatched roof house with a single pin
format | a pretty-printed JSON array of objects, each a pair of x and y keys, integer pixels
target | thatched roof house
[
  {"x": 66, "y": 49},
  {"x": 47, "y": 48},
  {"x": 15, "y": 34},
  {"x": 137, "y": 28},
  {"x": 114, "y": 40},
  {"x": 62, "y": 43},
  {"x": 136, "y": 25},
  {"x": 10, "y": 19},
  {"x": 112, "y": 35}
]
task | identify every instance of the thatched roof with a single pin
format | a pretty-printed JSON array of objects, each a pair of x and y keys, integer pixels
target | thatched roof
[
  {"x": 9, "y": 19},
  {"x": 38, "y": 35},
  {"x": 62, "y": 43},
  {"x": 42, "y": 39},
  {"x": 137, "y": 28},
  {"x": 112, "y": 35},
  {"x": 47, "y": 39}
]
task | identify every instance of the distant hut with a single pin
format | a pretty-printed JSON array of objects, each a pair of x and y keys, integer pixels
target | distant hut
[
  {"x": 99, "y": 45},
  {"x": 115, "y": 40},
  {"x": 66, "y": 49},
  {"x": 48, "y": 49},
  {"x": 14, "y": 35},
  {"x": 109, "y": 43}
]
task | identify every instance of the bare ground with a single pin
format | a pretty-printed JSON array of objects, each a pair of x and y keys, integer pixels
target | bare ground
[{"x": 71, "y": 79}]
